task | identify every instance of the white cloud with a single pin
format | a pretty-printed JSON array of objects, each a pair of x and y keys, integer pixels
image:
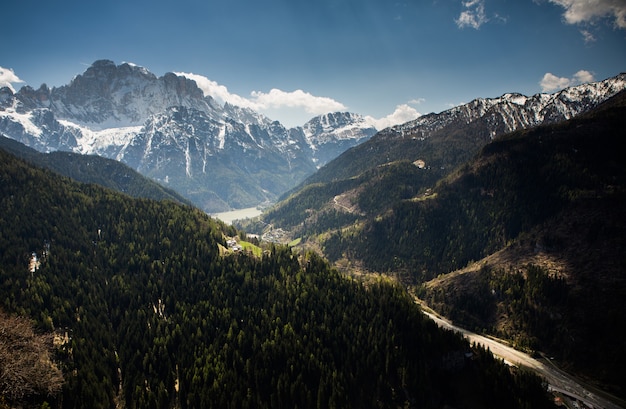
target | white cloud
[
  {"x": 551, "y": 82},
  {"x": 275, "y": 99},
  {"x": 402, "y": 114},
  {"x": 296, "y": 107},
  {"x": 296, "y": 99},
  {"x": 588, "y": 36},
  {"x": 583, "y": 11},
  {"x": 583, "y": 76},
  {"x": 473, "y": 16},
  {"x": 8, "y": 77}
]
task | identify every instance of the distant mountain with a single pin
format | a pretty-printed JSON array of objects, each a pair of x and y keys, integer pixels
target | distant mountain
[
  {"x": 219, "y": 156},
  {"x": 94, "y": 169},
  {"x": 330, "y": 133},
  {"x": 372, "y": 176},
  {"x": 446, "y": 139}
]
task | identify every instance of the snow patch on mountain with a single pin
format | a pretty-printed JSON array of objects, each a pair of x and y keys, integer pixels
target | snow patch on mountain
[
  {"x": 23, "y": 120},
  {"x": 99, "y": 142}
]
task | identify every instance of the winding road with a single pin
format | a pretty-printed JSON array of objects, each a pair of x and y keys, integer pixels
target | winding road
[{"x": 558, "y": 381}]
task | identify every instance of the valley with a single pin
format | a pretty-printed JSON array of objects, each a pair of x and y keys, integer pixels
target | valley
[{"x": 523, "y": 241}]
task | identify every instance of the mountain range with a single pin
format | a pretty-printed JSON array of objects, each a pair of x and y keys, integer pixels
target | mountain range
[
  {"x": 443, "y": 140},
  {"x": 407, "y": 159},
  {"x": 218, "y": 156},
  {"x": 221, "y": 156}
]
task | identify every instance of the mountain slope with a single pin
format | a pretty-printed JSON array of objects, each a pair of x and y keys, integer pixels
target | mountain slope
[
  {"x": 543, "y": 209},
  {"x": 94, "y": 169},
  {"x": 526, "y": 178},
  {"x": 558, "y": 285},
  {"x": 149, "y": 312},
  {"x": 219, "y": 156}
]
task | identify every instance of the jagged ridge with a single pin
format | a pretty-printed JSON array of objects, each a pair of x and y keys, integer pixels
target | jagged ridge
[{"x": 165, "y": 127}]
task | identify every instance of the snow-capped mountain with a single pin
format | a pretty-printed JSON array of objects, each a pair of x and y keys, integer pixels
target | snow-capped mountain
[
  {"x": 111, "y": 96},
  {"x": 219, "y": 156},
  {"x": 442, "y": 141},
  {"x": 224, "y": 156},
  {"x": 514, "y": 111},
  {"x": 344, "y": 129}
]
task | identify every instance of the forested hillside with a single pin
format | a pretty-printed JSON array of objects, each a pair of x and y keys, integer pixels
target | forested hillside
[
  {"x": 94, "y": 169},
  {"x": 557, "y": 284},
  {"x": 148, "y": 311},
  {"x": 514, "y": 184}
]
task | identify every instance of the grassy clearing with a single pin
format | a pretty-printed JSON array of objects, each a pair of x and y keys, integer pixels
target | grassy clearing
[{"x": 255, "y": 250}]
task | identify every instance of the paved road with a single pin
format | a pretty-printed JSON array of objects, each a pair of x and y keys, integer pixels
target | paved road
[{"x": 557, "y": 380}]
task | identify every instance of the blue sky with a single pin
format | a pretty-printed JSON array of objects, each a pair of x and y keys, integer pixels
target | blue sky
[{"x": 294, "y": 59}]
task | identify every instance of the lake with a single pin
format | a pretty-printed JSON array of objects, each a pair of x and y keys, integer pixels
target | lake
[{"x": 228, "y": 217}]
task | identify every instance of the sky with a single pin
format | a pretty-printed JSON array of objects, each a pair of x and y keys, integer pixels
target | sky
[{"x": 388, "y": 60}]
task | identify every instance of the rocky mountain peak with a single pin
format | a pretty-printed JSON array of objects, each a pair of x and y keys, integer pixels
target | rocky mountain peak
[
  {"x": 337, "y": 126},
  {"x": 108, "y": 95},
  {"x": 325, "y": 132},
  {"x": 332, "y": 120},
  {"x": 513, "y": 111},
  {"x": 6, "y": 95},
  {"x": 31, "y": 98}
]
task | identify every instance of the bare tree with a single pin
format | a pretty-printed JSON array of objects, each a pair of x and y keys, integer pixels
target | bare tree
[{"x": 26, "y": 368}]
